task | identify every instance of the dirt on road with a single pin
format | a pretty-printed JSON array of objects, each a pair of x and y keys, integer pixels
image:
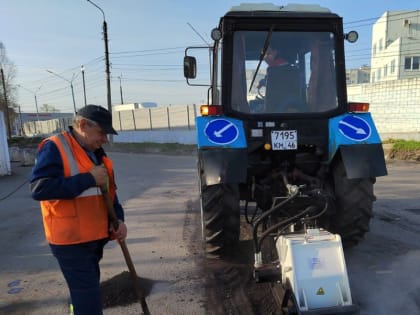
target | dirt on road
[{"x": 159, "y": 194}]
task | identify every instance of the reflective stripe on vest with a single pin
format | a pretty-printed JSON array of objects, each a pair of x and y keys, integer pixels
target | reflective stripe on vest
[
  {"x": 72, "y": 162},
  {"x": 74, "y": 170},
  {"x": 84, "y": 218}
]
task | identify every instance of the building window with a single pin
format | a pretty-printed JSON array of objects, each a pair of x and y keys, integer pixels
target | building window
[
  {"x": 407, "y": 63},
  {"x": 379, "y": 74},
  {"x": 373, "y": 77},
  {"x": 392, "y": 66},
  {"x": 415, "y": 63},
  {"x": 374, "y": 49},
  {"x": 380, "y": 44},
  {"x": 411, "y": 63},
  {"x": 385, "y": 71}
]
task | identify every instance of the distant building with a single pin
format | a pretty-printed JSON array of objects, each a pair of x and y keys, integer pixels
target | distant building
[
  {"x": 131, "y": 106},
  {"x": 396, "y": 46},
  {"x": 357, "y": 76}
]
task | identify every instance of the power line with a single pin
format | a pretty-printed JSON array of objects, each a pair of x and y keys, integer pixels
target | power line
[{"x": 125, "y": 61}]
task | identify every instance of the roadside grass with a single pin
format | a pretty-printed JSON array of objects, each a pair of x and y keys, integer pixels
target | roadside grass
[{"x": 404, "y": 149}]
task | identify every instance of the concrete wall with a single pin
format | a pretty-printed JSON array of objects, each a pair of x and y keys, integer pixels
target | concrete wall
[
  {"x": 157, "y": 136},
  {"x": 395, "y": 106},
  {"x": 157, "y": 118}
]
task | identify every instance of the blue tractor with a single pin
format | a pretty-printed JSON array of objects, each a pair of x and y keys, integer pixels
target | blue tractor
[{"x": 280, "y": 142}]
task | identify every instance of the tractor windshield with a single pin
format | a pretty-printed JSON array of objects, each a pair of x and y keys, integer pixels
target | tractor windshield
[{"x": 283, "y": 72}]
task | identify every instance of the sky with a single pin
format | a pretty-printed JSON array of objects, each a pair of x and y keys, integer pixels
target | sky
[{"x": 147, "y": 40}]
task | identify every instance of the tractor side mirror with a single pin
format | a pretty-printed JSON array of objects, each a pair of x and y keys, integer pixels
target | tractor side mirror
[{"x": 190, "y": 67}]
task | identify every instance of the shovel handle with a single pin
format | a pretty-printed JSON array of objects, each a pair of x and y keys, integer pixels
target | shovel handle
[{"x": 115, "y": 223}]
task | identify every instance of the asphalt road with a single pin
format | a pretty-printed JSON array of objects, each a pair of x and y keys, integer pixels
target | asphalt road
[
  {"x": 383, "y": 270},
  {"x": 159, "y": 194}
]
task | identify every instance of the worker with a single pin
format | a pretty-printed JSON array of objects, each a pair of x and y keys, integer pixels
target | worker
[{"x": 70, "y": 172}]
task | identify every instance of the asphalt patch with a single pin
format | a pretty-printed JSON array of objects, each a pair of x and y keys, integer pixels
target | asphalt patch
[{"x": 120, "y": 290}]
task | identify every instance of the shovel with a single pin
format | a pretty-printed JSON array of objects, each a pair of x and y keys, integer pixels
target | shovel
[{"x": 114, "y": 221}]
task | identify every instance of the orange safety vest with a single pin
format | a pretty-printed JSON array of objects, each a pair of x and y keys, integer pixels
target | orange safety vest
[{"x": 84, "y": 218}]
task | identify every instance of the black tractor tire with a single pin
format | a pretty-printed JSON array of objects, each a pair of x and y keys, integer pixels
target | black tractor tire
[
  {"x": 220, "y": 213},
  {"x": 353, "y": 205}
]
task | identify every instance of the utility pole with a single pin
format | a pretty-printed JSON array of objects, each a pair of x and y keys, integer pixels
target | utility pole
[
  {"x": 20, "y": 123},
  {"x": 107, "y": 71},
  {"x": 9, "y": 130},
  {"x": 84, "y": 87},
  {"x": 122, "y": 102}
]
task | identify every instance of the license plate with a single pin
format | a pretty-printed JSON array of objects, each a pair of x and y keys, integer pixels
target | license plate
[{"x": 284, "y": 140}]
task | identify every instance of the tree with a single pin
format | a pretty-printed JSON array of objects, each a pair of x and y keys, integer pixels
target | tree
[
  {"x": 9, "y": 72},
  {"x": 45, "y": 108}
]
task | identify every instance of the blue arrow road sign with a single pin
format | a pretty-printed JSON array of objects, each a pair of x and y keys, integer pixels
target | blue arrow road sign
[
  {"x": 221, "y": 131},
  {"x": 354, "y": 128}
]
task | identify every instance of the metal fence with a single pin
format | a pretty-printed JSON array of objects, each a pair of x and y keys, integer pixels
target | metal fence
[{"x": 157, "y": 118}]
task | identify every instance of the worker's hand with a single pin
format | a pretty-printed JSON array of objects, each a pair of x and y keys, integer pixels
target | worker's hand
[
  {"x": 100, "y": 174},
  {"x": 119, "y": 234}
]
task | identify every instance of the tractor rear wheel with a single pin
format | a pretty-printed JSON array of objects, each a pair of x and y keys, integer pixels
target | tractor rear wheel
[
  {"x": 220, "y": 213},
  {"x": 354, "y": 205}
]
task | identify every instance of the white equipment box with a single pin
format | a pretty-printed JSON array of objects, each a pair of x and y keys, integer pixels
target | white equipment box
[{"x": 313, "y": 265}]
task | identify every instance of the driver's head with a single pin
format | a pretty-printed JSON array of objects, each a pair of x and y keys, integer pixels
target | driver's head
[{"x": 273, "y": 56}]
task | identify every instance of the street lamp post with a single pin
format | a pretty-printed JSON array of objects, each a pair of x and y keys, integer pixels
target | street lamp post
[
  {"x": 36, "y": 101},
  {"x": 107, "y": 70},
  {"x": 71, "y": 86},
  {"x": 84, "y": 87}
]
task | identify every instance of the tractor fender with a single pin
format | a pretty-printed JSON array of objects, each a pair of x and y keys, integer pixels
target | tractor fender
[
  {"x": 225, "y": 166},
  {"x": 355, "y": 138},
  {"x": 363, "y": 160},
  {"x": 222, "y": 149}
]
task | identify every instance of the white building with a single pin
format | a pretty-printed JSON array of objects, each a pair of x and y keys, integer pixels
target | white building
[
  {"x": 396, "y": 46},
  {"x": 132, "y": 106}
]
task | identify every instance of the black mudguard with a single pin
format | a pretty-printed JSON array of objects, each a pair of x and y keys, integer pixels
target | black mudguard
[
  {"x": 223, "y": 165},
  {"x": 363, "y": 160}
]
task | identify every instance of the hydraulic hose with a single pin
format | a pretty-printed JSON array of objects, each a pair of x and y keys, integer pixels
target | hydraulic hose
[{"x": 265, "y": 215}]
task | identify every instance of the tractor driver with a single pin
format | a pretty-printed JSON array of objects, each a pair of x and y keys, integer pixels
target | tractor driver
[{"x": 273, "y": 58}]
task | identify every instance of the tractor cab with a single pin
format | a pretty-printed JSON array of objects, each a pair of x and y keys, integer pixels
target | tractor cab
[{"x": 286, "y": 61}]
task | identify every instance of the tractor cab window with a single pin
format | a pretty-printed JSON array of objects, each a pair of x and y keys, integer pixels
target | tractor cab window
[{"x": 283, "y": 72}]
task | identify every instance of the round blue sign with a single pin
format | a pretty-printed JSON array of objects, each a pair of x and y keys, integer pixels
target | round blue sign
[
  {"x": 221, "y": 131},
  {"x": 354, "y": 128}
]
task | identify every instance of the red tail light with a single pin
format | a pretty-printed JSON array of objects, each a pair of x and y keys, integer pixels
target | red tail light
[
  {"x": 358, "y": 107},
  {"x": 211, "y": 110}
]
